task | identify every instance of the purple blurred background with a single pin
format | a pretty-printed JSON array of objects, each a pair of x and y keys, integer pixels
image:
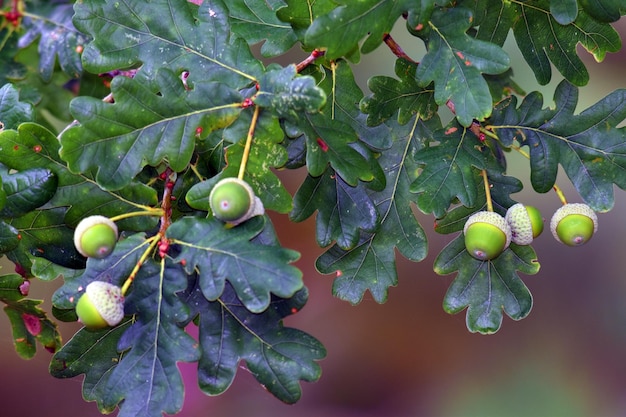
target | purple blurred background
[{"x": 408, "y": 357}]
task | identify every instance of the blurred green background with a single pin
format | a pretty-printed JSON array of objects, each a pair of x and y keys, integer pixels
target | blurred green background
[{"x": 408, "y": 357}]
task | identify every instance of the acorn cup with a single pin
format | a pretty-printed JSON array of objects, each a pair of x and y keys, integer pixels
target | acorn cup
[
  {"x": 95, "y": 236},
  {"x": 487, "y": 235},
  {"x": 574, "y": 224},
  {"x": 102, "y": 305},
  {"x": 525, "y": 222},
  {"x": 233, "y": 201}
]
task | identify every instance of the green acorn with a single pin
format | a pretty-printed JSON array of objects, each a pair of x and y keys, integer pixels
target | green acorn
[
  {"x": 233, "y": 201},
  {"x": 487, "y": 234},
  {"x": 95, "y": 236},
  {"x": 526, "y": 223},
  {"x": 102, "y": 305},
  {"x": 574, "y": 224}
]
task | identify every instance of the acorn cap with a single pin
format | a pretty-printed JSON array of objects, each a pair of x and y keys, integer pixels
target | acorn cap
[
  {"x": 579, "y": 213},
  {"x": 518, "y": 216},
  {"x": 106, "y": 299}
]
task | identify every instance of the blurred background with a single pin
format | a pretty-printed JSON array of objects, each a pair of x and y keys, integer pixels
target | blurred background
[{"x": 408, "y": 357}]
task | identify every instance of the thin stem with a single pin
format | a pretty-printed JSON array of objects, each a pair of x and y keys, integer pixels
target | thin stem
[
  {"x": 246, "y": 149},
  {"x": 309, "y": 59},
  {"x": 560, "y": 194},
  {"x": 487, "y": 190},
  {"x": 156, "y": 212},
  {"x": 396, "y": 49},
  {"x": 154, "y": 240}
]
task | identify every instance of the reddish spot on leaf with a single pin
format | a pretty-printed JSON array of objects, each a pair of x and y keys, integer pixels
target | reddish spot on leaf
[
  {"x": 79, "y": 49},
  {"x": 183, "y": 262},
  {"x": 16, "y": 148},
  {"x": 322, "y": 144},
  {"x": 37, "y": 148},
  {"x": 451, "y": 130},
  {"x": 32, "y": 323},
  {"x": 24, "y": 287},
  {"x": 294, "y": 310},
  {"x": 339, "y": 273},
  {"x": 199, "y": 130},
  {"x": 419, "y": 27},
  {"x": 460, "y": 54},
  {"x": 468, "y": 63}
]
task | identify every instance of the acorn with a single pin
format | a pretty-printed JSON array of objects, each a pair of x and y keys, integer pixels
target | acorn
[
  {"x": 574, "y": 224},
  {"x": 487, "y": 234},
  {"x": 95, "y": 236},
  {"x": 525, "y": 222},
  {"x": 102, "y": 305},
  {"x": 233, "y": 201}
]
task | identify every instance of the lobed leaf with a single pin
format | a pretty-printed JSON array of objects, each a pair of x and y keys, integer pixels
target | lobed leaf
[
  {"x": 370, "y": 265},
  {"x": 147, "y": 124},
  {"x": 175, "y": 34},
  {"x": 12, "y": 110},
  {"x": 221, "y": 254},
  {"x": 279, "y": 357},
  {"x": 487, "y": 288},
  {"x": 589, "y": 146}
]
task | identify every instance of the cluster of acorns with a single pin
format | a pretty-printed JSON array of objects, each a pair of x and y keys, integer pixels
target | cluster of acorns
[
  {"x": 102, "y": 304},
  {"x": 488, "y": 234}
]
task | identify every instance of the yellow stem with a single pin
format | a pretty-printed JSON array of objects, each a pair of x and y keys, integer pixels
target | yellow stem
[
  {"x": 487, "y": 190},
  {"x": 154, "y": 240},
  {"x": 559, "y": 193},
  {"x": 246, "y": 149},
  {"x": 157, "y": 212}
]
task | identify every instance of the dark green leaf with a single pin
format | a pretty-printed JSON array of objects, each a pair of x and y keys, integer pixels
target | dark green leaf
[
  {"x": 604, "y": 10},
  {"x": 300, "y": 14},
  {"x": 449, "y": 170},
  {"x": 171, "y": 33},
  {"x": 341, "y": 30},
  {"x": 564, "y": 11},
  {"x": 487, "y": 288},
  {"x": 589, "y": 146},
  {"x": 403, "y": 96},
  {"x": 220, "y": 253},
  {"x": 279, "y": 357},
  {"x": 146, "y": 125},
  {"x": 455, "y": 62},
  {"x": 256, "y": 21},
  {"x": 542, "y": 40},
  {"x": 343, "y": 211},
  {"x": 370, "y": 265},
  {"x": 12, "y": 110},
  {"x": 27, "y": 190}
]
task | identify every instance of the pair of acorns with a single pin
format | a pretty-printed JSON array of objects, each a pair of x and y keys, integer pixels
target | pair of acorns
[
  {"x": 102, "y": 304},
  {"x": 488, "y": 234}
]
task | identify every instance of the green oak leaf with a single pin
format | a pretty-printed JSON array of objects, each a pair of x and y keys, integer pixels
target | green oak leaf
[
  {"x": 589, "y": 146},
  {"x": 29, "y": 322},
  {"x": 149, "y": 123},
  {"x": 455, "y": 62},
  {"x": 92, "y": 353},
  {"x": 58, "y": 38},
  {"x": 343, "y": 211},
  {"x": 341, "y": 30},
  {"x": 27, "y": 190},
  {"x": 449, "y": 170},
  {"x": 12, "y": 110},
  {"x": 279, "y": 357},
  {"x": 390, "y": 96},
  {"x": 265, "y": 154},
  {"x": 220, "y": 253},
  {"x": 147, "y": 381},
  {"x": 604, "y": 10},
  {"x": 165, "y": 33},
  {"x": 287, "y": 94},
  {"x": 256, "y": 21},
  {"x": 300, "y": 14},
  {"x": 494, "y": 21},
  {"x": 370, "y": 265},
  {"x": 487, "y": 288},
  {"x": 542, "y": 40}
]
